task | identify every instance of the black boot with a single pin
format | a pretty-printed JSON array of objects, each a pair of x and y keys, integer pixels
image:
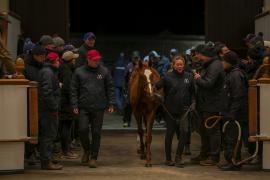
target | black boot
[{"x": 179, "y": 162}]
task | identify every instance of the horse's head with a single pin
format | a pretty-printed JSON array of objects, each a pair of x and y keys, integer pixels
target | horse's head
[{"x": 148, "y": 76}]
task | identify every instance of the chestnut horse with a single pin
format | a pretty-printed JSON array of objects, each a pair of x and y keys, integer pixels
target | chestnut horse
[{"x": 144, "y": 104}]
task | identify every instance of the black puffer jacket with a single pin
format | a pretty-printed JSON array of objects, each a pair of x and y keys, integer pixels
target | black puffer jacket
[
  {"x": 179, "y": 90},
  {"x": 236, "y": 89},
  {"x": 211, "y": 92},
  {"x": 65, "y": 76},
  {"x": 49, "y": 90},
  {"x": 92, "y": 88},
  {"x": 32, "y": 68}
]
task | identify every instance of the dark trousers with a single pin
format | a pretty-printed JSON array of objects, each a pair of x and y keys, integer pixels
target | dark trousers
[
  {"x": 175, "y": 126},
  {"x": 65, "y": 134},
  {"x": 48, "y": 128},
  {"x": 210, "y": 138},
  {"x": 159, "y": 114},
  {"x": 75, "y": 127},
  {"x": 230, "y": 140},
  {"x": 94, "y": 118},
  {"x": 127, "y": 114}
]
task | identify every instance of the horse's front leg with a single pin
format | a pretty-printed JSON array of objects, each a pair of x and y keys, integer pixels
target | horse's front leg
[
  {"x": 140, "y": 132},
  {"x": 149, "y": 126}
]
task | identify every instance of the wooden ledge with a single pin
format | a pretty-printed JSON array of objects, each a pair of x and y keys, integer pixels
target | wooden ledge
[
  {"x": 258, "y": 138},
  {"x": 26, "y": 139},
  {"x": 14, "y": 82},
  {"x": 264, "y": 81}
]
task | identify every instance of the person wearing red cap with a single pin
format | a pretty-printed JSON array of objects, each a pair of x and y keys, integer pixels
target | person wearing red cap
[
  {"x": 49, "y": 98},
  {"x": 89, "y": 43},
  {"x": 92, "y": 91}
]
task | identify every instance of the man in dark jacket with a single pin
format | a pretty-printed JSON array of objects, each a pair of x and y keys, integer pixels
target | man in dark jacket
[
  {"x": 34, "y": 62},
  {"x": 49, "y": 102},
  {"x": 209, "y": 103},
  {"x": 67, "y": 117},
  {"x": 89, "y": 43},
  {"x": 179, "y": 91},
  {"x": 92, "y": 92},
  {"x": 236, "y": 107}
]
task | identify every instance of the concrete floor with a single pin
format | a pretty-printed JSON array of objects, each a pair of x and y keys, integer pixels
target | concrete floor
[{"x": 118, "y": 160}]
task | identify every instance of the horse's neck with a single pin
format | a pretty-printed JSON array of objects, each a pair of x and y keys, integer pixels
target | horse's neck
[{"x": 135, "y": 88}]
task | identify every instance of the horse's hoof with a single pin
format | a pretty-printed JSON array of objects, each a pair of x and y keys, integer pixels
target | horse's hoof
[{"x": 148, "y": 165}]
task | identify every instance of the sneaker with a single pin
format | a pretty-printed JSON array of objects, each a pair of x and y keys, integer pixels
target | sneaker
[
  {"x": 208, "y": 162},
  {"x": 125, "y": 124},
  {"x": 32, "y": 160},
  {"x": 229, "y": 167},
  {"x": 162, "y": 122},
  {"x": 169, "y": 163},
  {"x": 179, "y": 162},
  {"x": 69, "y": 155},
  {"x": 49, "y": 165}
]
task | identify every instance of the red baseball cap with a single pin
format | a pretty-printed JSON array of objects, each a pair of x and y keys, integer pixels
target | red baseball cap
[
  {"x": 52, "y": 57},
  {"x": 94, "y": 55}
]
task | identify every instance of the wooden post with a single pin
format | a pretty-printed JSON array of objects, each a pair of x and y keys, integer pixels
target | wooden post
[
  {"x": 33, "y": 112},
  {"x": 252, "y": 108}
]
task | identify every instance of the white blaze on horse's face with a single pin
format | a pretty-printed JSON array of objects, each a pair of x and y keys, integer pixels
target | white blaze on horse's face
[{"x": 147, "y": 73}]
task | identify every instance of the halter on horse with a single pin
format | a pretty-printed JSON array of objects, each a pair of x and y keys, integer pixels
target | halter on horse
[{"x": 144, "y": 104}]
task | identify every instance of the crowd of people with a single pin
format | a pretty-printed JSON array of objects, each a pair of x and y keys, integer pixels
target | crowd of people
[{"x": 75, "y": 89}]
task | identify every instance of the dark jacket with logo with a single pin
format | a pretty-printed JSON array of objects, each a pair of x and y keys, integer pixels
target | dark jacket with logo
[
  {"x": 92, "y": 88},
  {"x": 236, "y": 89},
  {"x": 210, "y": 94},
  {"x": 49, "y": 90},
  {"x": 178, "y": 90}
]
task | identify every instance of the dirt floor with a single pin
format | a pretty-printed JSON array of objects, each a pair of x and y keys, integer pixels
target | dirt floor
[{"x": 118, "y": 160}]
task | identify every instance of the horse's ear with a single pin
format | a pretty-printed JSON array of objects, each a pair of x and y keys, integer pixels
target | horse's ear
[
  {"x": 140, "y": 64},
  {"x": 150, "y": 63}
]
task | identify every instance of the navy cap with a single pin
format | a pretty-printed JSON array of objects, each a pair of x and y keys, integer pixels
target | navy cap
[
  {"x": 38, "y": 50},
  {"x": 89, "y": 35}
]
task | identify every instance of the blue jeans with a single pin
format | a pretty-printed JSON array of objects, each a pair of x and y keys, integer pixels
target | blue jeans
[{"x": 119, "y": 98}]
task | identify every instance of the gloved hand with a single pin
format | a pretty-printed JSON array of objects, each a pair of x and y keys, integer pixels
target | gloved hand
[
  {"x": 193, "y": 106},
  {"x": 55, "y": 113}
]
